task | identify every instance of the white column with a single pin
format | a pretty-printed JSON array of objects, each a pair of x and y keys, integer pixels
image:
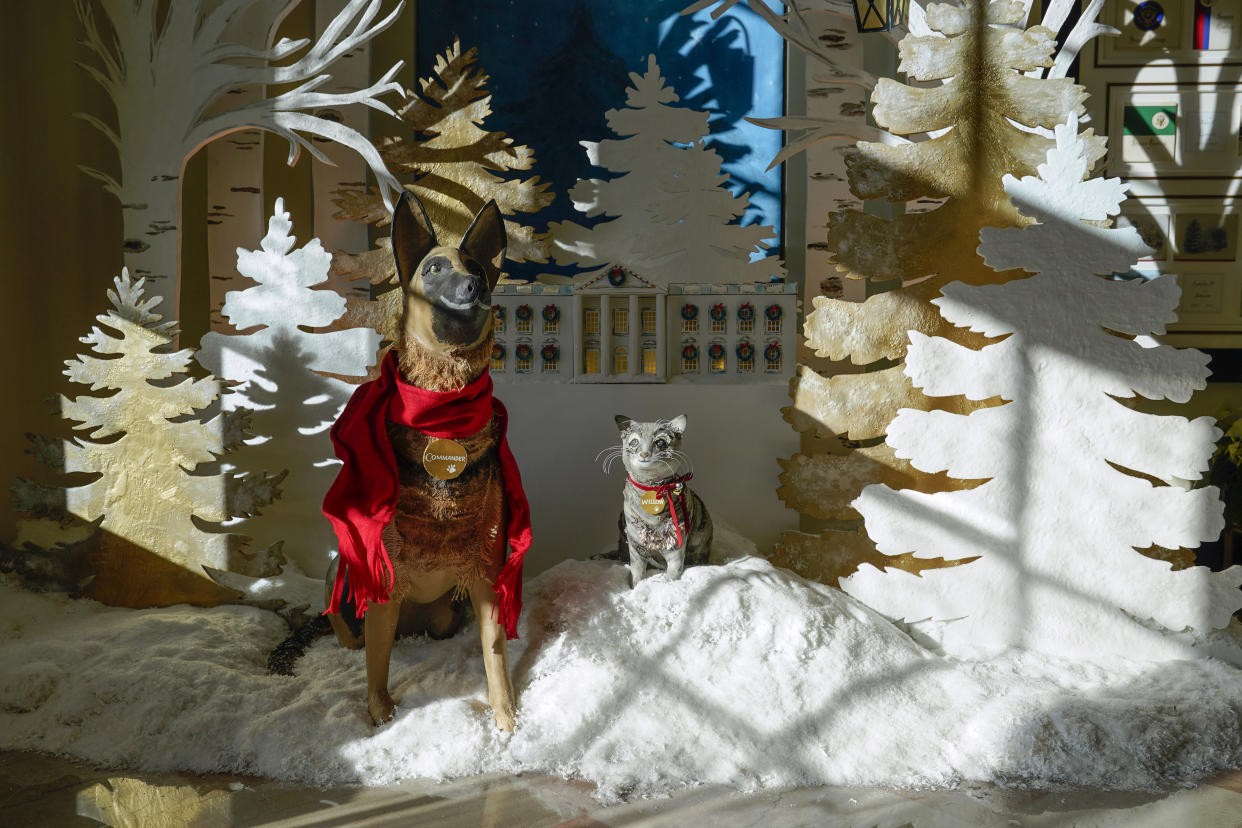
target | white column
[
  {"x": 577, "y": 336},
  {"x": 661, "y": 338},
  {"x": 605, "y": 336},
  {"x": 636, "y": 325}
]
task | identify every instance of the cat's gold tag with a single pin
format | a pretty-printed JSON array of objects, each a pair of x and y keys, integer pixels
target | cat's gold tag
[
  {"x": 444, "y": 459},
  {"x": 652, "y": 502}
]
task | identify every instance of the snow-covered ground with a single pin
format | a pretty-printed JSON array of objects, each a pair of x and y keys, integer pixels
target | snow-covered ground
[{"x": 741, "y": 674}]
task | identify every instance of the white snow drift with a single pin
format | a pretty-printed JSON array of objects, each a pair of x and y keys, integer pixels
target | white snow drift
[{"x": 741, "y": 674}]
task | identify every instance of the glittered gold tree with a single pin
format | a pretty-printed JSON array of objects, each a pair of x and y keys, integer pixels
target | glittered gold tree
[
  {"x": 157, "y": 488},
  {"x": 456, "y": 166},
  {"x": 985, "y": 67}
]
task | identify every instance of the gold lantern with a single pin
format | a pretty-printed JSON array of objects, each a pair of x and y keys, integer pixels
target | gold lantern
[{"x": 880, "y": 15}]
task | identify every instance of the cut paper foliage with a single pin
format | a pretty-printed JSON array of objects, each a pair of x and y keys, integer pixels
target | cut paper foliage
[
  {"x": 976, "y": 116},
  {"x": 155, "y": 501},
  {"x": 295, "y": 377},
  {"x": 1077, "y": 482},
  {"x": 666, "y": 212},
  {"x": 456, "y": 166}
]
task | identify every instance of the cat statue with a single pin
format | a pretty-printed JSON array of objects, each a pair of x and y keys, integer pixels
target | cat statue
[{"x": 662, "y": 520}]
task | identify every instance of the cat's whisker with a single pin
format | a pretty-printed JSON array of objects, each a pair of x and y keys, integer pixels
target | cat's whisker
[
  {"x": 681, "y": 458},
  {"x": 684, "y": 458},
  {"x": 610, "y": 455}
]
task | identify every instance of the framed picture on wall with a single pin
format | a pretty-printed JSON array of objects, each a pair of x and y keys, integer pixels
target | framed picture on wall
[
  {"x": 1182, "y": 130},
  {"x": 1195, "y": 240},
  {"x": 1203, "y": 295},
  {"x": 1181, "y": 32},
  {"x": 1205, "y": 237}
]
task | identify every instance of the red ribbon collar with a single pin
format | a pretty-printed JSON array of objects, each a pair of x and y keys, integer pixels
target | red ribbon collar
[{"x": 665, "y": 490}]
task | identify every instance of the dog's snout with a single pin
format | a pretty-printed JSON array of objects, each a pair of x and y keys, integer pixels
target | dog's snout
[{"x": 467, "y": 289}]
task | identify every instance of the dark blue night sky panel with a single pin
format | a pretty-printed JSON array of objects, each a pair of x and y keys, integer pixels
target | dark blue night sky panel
[{"x": 556, "y": 66}]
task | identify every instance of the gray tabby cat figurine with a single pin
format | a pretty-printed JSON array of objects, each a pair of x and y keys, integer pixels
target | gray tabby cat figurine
[{"x": 661, "y": 518}]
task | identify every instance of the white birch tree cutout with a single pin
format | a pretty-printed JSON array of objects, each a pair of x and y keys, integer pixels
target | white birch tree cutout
[
  {"x": 668, "y": 214},
  {"x": 155, "y": 496},
  {"x": 169, "y": 76},
  {"x": 1077, "y": 482},
  {"x": 289, "y": 376},
  {"x": 234, "y": 163}
]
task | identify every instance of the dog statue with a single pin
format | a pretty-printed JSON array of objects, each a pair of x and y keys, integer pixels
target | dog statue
[{"x": 429, "y": 495}]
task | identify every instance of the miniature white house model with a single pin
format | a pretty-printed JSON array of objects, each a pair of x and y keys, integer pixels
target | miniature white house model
[{"x": 620, "y": 327}]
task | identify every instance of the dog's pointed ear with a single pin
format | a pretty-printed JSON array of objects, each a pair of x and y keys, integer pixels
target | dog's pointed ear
[
  {"x": 412, "y": 235},
  {"x": 485, "y": 241},
  {"x": 623, "y": 422}
]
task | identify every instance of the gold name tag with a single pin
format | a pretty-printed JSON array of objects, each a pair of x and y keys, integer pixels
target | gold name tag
[
  {"x": 652, "y": 502},
  {"x": 444, "y": 459}
]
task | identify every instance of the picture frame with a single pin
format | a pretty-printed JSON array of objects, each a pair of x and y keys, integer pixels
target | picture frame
[
  {"x": 1183, "y": 130},
  {"x": 1205, "y": 237},
  {"x": 1175, "y": 32},
  {"x": 1196, "y": 240}
]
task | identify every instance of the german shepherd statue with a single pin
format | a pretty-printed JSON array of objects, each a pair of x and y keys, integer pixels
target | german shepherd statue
[{"x": 429, "y": 496}]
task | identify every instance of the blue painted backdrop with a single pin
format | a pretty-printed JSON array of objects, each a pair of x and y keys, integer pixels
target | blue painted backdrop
[{"x": 556, "y": 66}]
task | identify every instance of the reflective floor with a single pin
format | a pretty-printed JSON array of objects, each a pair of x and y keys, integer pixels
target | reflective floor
[{"x": 38, "y": 790}]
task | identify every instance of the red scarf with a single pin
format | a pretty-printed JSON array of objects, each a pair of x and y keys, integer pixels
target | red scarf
[{"x": 363, "y": 497}]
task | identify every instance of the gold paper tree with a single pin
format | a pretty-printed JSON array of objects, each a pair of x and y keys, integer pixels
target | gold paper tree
[
  {"x": 981, "y": 65},
  {"x": 456, "y": 167},
  {"x": 154, "y": 496}
]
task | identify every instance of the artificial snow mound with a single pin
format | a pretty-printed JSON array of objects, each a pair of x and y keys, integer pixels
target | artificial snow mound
[{"x": 741, "y": 674}]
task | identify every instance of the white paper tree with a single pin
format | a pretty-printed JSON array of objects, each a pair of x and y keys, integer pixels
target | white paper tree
[
  {"x": 168, "y": 70},
  {"x": 973, "y": 109},
  {"x": 291, "y": 378},
  {"x": 1076, "y": 482},
  {"x": 156, "y": 490},
  {"x": 667, "y": 213}
]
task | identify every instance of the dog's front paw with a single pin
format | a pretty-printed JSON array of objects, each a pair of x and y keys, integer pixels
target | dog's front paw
[
  {"x": 505, "y": 717},
  {"x": 381, "y": 706}
]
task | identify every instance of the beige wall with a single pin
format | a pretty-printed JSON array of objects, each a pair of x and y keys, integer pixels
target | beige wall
[{"x": 61, "y": 233}]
